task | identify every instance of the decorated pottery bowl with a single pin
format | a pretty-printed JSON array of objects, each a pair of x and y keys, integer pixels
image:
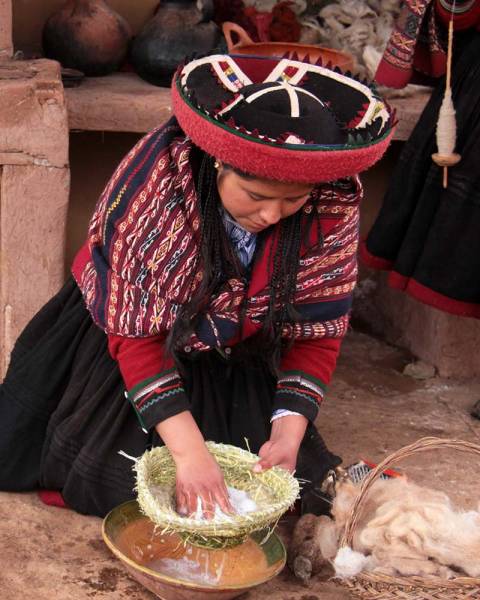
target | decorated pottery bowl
[{"x": 175, "y": 570}]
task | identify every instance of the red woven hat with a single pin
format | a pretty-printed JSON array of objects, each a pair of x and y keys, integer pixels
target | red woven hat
[{"x": 280, "y": 118}]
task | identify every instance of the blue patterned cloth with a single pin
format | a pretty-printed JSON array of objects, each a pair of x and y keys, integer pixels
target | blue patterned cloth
[{"x": 243, "y": 241}]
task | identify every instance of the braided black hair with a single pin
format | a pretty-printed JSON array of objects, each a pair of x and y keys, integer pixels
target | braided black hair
[{"x": 220, "y": 263}]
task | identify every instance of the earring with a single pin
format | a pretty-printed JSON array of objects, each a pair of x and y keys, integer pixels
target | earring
[{"x": 216, "y": 164}]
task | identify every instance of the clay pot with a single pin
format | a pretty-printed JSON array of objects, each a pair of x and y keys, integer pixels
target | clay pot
[
  {"x": 177, "y": 29},
  {"x": 87, "y": 35},
  {"x": 245, "y": 45}
]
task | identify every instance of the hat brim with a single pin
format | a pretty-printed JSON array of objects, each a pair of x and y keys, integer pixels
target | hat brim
[{"x": 314, "y": 164}]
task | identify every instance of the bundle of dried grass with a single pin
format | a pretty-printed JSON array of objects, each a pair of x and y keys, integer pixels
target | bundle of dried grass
[{"x": 273, "y": 492}]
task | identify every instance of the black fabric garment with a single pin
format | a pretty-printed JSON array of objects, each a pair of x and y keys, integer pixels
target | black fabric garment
[
  {"x": 431, "y": 234},
  {"x": 64, "y": 416}
]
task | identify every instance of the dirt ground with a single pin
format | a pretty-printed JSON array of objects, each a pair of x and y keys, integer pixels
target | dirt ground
[{"x": 372, "y": 409}]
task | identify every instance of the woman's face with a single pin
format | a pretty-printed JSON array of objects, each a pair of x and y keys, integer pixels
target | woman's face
[{"x": 258, "y": 203}]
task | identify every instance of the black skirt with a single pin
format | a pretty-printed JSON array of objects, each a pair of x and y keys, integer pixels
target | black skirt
[
  {"x": 427, "y": 236},
  {"x": 64, "y": 417}
]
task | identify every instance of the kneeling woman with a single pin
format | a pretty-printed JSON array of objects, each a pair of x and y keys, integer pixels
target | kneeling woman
[{"x": 214, "y": 287}]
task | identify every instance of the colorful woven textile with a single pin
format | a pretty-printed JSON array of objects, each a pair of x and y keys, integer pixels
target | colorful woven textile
[
  {"x": 396, "y": 66},
  {"x": 140, "y": 262},
  {"x": 281, "y": 119},
  {"x": 418, "y": 40}
]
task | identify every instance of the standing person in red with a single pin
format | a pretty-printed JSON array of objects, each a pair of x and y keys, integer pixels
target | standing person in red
[
  {"x": 426, "y": 235},
  {"x": 214, "y": 287}
]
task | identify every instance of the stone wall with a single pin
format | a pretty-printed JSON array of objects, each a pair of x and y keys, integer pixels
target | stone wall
[
  {"x": 447, "y": 342},
  {"x": 5, "y": 29},
  {"x": 34, "y": 190}
]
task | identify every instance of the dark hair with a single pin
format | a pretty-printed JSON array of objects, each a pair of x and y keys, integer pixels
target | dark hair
[{"x": 220, "y": 263}]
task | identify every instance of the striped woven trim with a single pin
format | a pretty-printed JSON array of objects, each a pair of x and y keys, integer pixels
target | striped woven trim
[
  {"x": 155, "y": 389},
  {"x": 304, "y": 380},
  {"x": 159, "y": 397},
  {"x": 146, "y": 382},
  {"x": 298, "y": 392},
  {"x": 300, "y": 388}
]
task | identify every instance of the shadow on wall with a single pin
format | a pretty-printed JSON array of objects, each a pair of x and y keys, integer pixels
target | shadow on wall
[{"x": 93, "y": 158}]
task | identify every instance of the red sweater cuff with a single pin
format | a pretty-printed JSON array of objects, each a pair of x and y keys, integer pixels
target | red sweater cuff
[
  {"x": 306, "y": 368},
  {"x": 139, "y": 358},
  {"x": 154, "y": 386}
]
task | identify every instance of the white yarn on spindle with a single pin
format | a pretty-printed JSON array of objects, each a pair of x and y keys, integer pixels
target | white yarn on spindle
[
  {"x": 446, "y": 123},
  {"x": 446, "y": 126}
]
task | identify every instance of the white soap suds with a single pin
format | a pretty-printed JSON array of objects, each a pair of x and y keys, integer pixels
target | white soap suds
[{"x": 241, "y": 503}]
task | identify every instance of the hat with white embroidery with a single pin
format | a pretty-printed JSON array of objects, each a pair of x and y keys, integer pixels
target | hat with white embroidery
[{"x": 282, "y": 119}]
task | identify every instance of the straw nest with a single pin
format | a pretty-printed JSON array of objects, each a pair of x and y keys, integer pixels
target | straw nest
[{"x": 273, "y": 491}]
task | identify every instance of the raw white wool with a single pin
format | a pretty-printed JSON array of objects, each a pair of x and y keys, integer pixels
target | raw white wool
[
  {"x": 409, "y": 530},
  {"x": 349, "y": 563}
]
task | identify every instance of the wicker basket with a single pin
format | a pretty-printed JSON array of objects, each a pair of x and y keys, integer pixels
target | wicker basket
[
  {"x": 382, "y": 587},
  {"x": 274, "y": 491}
]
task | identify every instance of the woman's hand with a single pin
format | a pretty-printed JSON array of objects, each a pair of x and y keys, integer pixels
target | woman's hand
[
  {"x": 200, "y": 477},
  {"x": 282, "y": 448},
  {"x": 198, "y": 474}
]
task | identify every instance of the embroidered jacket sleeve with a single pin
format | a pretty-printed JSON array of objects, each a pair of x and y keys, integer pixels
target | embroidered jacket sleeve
[
  {"x": 154, "y": 386},
  {"x": 307, "y": 367},
  {"x": 306, "y": 370}
]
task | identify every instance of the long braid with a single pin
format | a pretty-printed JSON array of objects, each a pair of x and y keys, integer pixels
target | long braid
[
  {"x": 216, "y": 259},
  {"x": 219, "y": 262},
  {"x": 283, "y": 285},
  {"x": 217, "y": 252}
]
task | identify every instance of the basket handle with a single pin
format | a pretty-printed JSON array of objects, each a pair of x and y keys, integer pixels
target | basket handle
[
  {"x": 244, "y": 39},
  {"x": 422, "y": 445}
]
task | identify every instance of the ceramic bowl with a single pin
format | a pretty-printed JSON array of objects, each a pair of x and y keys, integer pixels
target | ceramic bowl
[{"x": 173, "y": 570}]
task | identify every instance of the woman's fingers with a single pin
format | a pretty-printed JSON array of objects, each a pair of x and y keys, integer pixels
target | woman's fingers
[
  {"x": 203, "y": 503},
  {"x": 199, "y": 495},
  {"x": 262, "y": 465},
  {"x": 274, "y": 454},
  {"x": 208, "y": 504},
  {"x": 267, "y": 458},
  {"x": 181, "y": 504},
  {"x": 223, "y": 500}
]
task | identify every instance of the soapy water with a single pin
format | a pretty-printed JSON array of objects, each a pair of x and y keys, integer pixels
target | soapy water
[
  {"x": 170, "y": 555},
  {"x": 239, "y": 565},
  {"x": 196, "y": 571}
]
